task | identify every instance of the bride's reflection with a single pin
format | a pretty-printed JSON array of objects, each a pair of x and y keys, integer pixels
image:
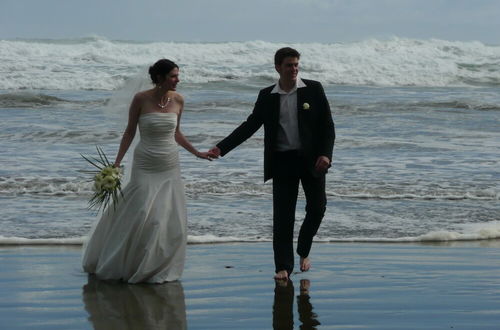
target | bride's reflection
[
  {"x": 283, "y": 306},
  {"x": 113, "y": 305}
]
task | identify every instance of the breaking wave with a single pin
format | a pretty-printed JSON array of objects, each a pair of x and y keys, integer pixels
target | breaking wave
[{"x": 101, "y": 64}]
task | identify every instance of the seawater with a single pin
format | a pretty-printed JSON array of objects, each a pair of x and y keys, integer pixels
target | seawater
[{"x": 416, "y": 157}]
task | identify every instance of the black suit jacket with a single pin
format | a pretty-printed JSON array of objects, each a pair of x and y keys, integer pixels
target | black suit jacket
[{"x": 316, "y": 127}]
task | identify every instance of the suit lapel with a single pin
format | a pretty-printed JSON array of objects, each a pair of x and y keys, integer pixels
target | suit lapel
[
  {"x": 301, "y": 95},
  {"x": 275, "y": 107}
]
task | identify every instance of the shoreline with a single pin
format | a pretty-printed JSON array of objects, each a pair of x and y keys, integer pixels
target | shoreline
[{"x": 485, "y": 242}]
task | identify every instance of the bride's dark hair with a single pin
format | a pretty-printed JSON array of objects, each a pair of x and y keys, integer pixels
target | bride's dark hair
[{"x": 161, "y": 68}]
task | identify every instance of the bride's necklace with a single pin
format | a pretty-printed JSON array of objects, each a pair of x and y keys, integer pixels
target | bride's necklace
[{"x": 165, "y": 100}]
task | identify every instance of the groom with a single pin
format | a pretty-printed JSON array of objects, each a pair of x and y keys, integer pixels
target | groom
[{"x": 298, "y": 143}]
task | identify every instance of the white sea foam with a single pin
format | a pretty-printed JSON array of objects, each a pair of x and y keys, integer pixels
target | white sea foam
[
  {"x": 443, "y": 194},
  {"x": 210, "y": 238},
  {"x": 100, "y": 64},
  {"x": 44, "y": 186},
  {"x": 467, "y": 232},
  {"x": 41, "y": 241},
  {"x": 72, "y": 186},
  {"x": 54, "y": 135},
  {"x": 202, "y": 239},
  {"x": 27, "y": 99}
]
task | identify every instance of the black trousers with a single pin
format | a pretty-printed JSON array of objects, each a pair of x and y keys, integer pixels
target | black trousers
[{"x": 290, "y": 170}]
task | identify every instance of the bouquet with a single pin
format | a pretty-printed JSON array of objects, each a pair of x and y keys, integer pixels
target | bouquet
[{"x": 107, "y": 181}]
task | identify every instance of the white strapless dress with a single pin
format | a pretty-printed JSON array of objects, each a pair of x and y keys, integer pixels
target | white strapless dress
[{"x": 144, "y": 238}]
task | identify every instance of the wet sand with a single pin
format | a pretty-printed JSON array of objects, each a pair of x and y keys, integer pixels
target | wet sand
[{"x": 231, "y": 286}]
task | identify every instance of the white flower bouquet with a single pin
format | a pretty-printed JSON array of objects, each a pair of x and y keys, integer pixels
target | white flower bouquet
[{"x": 107, "y": 181}]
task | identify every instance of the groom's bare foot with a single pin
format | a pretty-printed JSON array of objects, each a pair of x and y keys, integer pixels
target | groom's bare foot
[
  {"x": 305, "y": 284},
  {"x": 305, "y": 264},
  {"x": 282, "y": 275}
]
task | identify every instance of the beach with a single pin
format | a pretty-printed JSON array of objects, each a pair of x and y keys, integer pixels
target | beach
[
  {"x": 230, "y": 286},
  {"x": 410, "y": 237}
]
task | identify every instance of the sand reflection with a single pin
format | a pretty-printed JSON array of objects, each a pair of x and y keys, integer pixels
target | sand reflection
[{"x": 114, "y": 305}]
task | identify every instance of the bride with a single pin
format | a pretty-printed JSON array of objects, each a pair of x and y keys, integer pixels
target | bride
[{"x": 143, "y": 239}]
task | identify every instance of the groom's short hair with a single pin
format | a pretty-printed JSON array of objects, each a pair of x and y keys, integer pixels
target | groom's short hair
[{"x": 282, "y": 53}]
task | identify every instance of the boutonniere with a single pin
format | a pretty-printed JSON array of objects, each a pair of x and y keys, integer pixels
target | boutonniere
[{"x": 306, "y": 106}]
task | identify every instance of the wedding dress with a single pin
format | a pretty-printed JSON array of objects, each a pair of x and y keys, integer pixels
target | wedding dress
[{"x": 144, "y": 238}]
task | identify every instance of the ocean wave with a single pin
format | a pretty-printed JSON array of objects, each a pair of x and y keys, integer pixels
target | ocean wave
[
  {"x": 28, "y": 100},
  {"x": 382, "y": 192},
  {"x": 222, "y": 188},
  {"x": 481, "y": 194},
  {"x": 455, "y": 104},
  {"x": 416, "y": 106},
  {"x": 47, "y": 135},
  {"x": 468, "y": 232},
  {"x": 41, "y": 241},
  {"x": 101, "y": 64},
  {"x": 192, "y": 239},
  {"x": 44, "y": 186},
  {"x": 72, "y": 186},
  {"x": 77, "y": 186},
  {"x": 25, "y": 99}
]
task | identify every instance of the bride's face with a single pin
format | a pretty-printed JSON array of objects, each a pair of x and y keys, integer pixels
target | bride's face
[{"x": 171, "y": 79}]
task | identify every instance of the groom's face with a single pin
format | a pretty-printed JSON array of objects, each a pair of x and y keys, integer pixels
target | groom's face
[{"x": 288, "y": 69}]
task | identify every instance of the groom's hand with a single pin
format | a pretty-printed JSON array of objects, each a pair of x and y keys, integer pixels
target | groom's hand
[
  {"x": 214, "y": 152},
  {"x": 322, "y": 164}
]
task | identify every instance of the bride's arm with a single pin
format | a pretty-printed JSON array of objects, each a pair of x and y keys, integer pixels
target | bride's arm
[
  {"x": 182, "y": 140},
  {"x": 128, "y": 135}
]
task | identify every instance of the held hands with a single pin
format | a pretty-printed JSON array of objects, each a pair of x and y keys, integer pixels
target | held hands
[
  {"x": 205, "y": 155},
  {"x": 322, "y": 164},
  {"x": 211, "y": 154},
  {"x": 215, "y": 152}
]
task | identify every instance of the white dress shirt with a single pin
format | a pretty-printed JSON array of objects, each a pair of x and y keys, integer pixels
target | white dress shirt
[{"x": 288, "y": 132}]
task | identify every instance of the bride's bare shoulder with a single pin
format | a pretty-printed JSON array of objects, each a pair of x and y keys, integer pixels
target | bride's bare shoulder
[
  {"x": 177, "y": 97},
  {"x": 143, "y": 95}
]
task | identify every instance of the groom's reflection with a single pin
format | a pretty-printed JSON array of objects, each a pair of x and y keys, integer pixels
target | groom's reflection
[
  {"x": 283, "y": 306},
  {"x": 308, "y": 318},
  {"x": 113, "y": 305}
]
